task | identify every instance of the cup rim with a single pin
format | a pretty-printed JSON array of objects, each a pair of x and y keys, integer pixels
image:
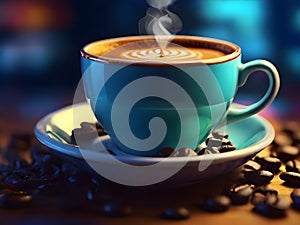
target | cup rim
[{"x": 236, "y": 51}]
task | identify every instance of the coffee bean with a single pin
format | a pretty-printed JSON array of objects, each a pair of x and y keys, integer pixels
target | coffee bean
[
  {"x": 184, "y": 152},
  {"x": 96, "y": 182},
  {"x": 219, "y": 203},
  {"x": 251, "y": 165},
  {"x": 269, "y": 163},
  {"x": 176, "y": 214},
  {"x": 240, "y": 194},
  {"x": 293, "y": 166},
  {"x": 268, "y": 203},
  {"x": 219, "y": 134},
  {"x": 259, "y": 195},
  {"x": 282, "y": 139},
  {"x": 19, "y": 142},
  {"x": 273, "y": 207},
  {"x": 116, "y": 210},
  {"x": 296, "y": 138},
  {"x": 90, "y": 195},
  {"x": 227, "y": 148},
  {"x": 88, "y": 126},
  {"x": 295, "y": 196},
  {"x": 207, "y": 151},
  {"x": 14, "y": 200},
  {"x": 287, "y": 152},
  {"x": 290, "y": 127},
  {"x": 291, "y": 178},
  {"x": 213, "y": 142},
  {"x": 258, "y": 177}
]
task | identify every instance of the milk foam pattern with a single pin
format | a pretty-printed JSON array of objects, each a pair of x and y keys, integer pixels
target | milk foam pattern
[{"x": 169, "y": 54}]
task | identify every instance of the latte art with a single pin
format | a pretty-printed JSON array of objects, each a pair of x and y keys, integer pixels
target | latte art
[{"x": 172, "y": 54}]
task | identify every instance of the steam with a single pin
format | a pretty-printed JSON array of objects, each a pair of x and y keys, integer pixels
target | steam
[{"x": 160, "y": 22}]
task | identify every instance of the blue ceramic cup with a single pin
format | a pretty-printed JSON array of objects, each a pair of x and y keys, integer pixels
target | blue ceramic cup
[{"x": 148, "y": 99}]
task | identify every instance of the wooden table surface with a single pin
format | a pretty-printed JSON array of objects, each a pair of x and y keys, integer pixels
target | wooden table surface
[{"x": 147, "y": 204}]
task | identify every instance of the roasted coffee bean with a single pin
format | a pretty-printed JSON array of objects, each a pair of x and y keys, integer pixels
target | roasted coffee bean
[
  {"x": 227, "y": 148},
  {"x": 291, "y": 178},
  {"x": 14, "y": 200},
  {"x": 219, "y": 134},
  {"x": 19, "y": 142},
  {"x": 290, "y": 127},
  {"x": 184, "y": 152},
  {"x": 213, "y": 142},
  {"x": 295, "y": 196},
  {"x": 269, "y": 163},
  {"x": 293, "y": 166},
  {"x": 259, "y": 195},
  {"x": 251, "y": 165},
  {"x": 96, "y": 182},
  {"x": 116, "y": 210},
  {"x": 176, "y": 214},
  {"x": 240, "y": 194},
  {"x": 268, "y": 203},
  {"x": 273, "y": 207},
  {"x": 258, "y": 177},
  {"x": 219, "y": 203},
  {"x": 207, "y": 151},
  {"x": 90, "y": 195},
  {"x": 96, "y": 126},
  {"x": 282, "y": 139},
  {"x": 287, "y": 153},
  {"x": 166, "y": 152},
  {"x": 296, "y": 138}
]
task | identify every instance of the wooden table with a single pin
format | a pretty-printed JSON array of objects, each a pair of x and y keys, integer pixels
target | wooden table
[{"x": 147, "y": 204}]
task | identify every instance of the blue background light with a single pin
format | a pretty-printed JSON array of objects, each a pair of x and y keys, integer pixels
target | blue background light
[{"x": 40, "y": 40}]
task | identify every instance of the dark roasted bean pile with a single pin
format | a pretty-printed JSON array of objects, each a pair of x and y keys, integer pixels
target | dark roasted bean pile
[{"x": 30, "y": 172}]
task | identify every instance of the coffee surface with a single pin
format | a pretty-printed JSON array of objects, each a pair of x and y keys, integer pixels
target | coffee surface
[{"x": 148, "y": 50}]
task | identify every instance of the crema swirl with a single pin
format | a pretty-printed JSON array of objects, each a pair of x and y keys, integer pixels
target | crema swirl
[{"x": 170, "y": 54}]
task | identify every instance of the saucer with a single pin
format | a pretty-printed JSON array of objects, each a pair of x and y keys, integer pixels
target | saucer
[{"x": 250, "y": 136}]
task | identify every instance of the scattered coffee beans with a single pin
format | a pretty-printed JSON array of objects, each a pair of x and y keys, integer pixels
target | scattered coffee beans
[
  {"x": 258, "y": 177},
  {"x": 295, "y": 196},
  {"x": 251, "y": 165},
  {"x": 218, "y": 142},
  {"x": 272, "y": 207},
  {"x": 87, "y": 131},
  {"x": 218, "y": 203},
  {"x": 269, "y": 163},
  {"x": 116, "y": 210},
  {"x": 286, "y": 153},
  {"x": 267, "y": 203},
  {"x": 282, "y": 139},
  {"x": 291, "y": 179},
  {"x": 45, "y": 174},
  {"x": 176, "y": 214},
  {"x": 293, "y": 166},
  {"x": 14, "y": 200},
  {"x": 240, "y": 194}
]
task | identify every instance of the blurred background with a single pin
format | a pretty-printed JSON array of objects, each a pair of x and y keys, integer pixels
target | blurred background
[{"x": 40, "y": 42}]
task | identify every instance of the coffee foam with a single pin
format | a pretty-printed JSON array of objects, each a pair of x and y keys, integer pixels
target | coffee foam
[
  {"x": 169, "y": 54},
  {"x": 144, "y": 49},
  {"x": 149, "y": 51}
]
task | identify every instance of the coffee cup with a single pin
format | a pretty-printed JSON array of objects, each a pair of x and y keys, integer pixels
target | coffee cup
[{"x": 148, "y": 99}]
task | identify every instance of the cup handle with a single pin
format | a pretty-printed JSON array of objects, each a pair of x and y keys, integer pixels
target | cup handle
[{"x": 245, "y": 71}]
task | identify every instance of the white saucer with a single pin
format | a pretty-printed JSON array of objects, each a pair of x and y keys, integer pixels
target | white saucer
[{"x": 250, "y": 136}]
